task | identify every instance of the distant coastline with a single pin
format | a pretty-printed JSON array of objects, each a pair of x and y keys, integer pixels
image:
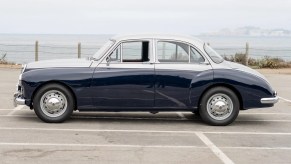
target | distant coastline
[
  {"x": 250, "y": 31},
  {"x": 19, "y": 48}
]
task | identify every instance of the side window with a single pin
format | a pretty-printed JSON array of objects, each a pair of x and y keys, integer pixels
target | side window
[
  {"x": 168, "y": 51},
  {"x": 195, "y": 56},
  {"x": 115, "y": 55},
  {"x": 135, "y": 51}
]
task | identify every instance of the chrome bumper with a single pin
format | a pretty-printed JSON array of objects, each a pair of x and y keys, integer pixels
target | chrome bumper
[
  {"x": 18, "y": 100},
  {"x": 271, "y": 100}
]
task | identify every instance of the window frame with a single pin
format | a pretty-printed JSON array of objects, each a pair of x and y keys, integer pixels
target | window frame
[
  {"x": 133, "y": 59},
  {"x": 180, "y": 41},
  {"x": 120, "y": 43}
]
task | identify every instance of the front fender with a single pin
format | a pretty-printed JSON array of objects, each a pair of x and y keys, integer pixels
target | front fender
[{"x": 77, "y": 79}]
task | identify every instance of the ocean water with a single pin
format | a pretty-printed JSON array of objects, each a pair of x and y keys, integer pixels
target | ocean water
[{"x": 19, "y": 48}]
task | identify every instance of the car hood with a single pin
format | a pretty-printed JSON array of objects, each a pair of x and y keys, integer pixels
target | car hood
[
  {"x": 246, "y": 69},
  {"x": 60, "y": 63}
]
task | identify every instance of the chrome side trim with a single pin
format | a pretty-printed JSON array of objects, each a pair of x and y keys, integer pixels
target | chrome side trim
[{"x": 271, "y": 100}]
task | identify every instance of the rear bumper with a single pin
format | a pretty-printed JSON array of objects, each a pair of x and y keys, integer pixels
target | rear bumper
[{"x": 270, "y": 100}]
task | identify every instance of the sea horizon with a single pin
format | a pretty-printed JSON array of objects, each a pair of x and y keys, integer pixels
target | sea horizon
[{"x": 19, "y": 48}]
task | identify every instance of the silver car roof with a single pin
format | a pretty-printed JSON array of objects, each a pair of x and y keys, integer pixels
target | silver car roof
[{"x": 184, "y": 38}]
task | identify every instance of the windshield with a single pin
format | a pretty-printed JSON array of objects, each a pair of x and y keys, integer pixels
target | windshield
[
  {"x": 102, "y": 50},
  {"x": 213, "y": 54}
]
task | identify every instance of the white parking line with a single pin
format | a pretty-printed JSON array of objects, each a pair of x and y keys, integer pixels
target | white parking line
[
  {"x": 250, "y": 133},
  {"x": 258, "y": 148},
  {"x": 284, "y": 99},
  {"x": 139, "y": 118},
  {"x": 21, "y": 116},
  {"x": 214, "y": 148},
  {"x": 264, "y": 113},
  {"x": 137, "y": 146},
  {"x": 19, "y": 107},
  {"x": 99, "y": 145},
  {"x": 238, "y": 120},
  {"x": 142, "y": 131}
]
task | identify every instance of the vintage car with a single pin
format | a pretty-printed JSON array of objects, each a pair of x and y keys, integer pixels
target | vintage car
[{"x": 153, "y": 73}]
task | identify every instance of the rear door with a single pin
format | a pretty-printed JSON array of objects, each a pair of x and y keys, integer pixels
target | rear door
[{"x": 177, "y": 65}]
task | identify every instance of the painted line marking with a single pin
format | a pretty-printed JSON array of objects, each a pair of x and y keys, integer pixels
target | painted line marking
[
  {"x": 98, "y": 145},
  {"x": 250, "y": 133},
  {"x": 19, "y": 107},
  {"x": 219, "y": 153},
  {"x": 238, "y": 120},
  {"x": 284, "y": 99},
  {"x": 264, "y": 113},
  {"x": 181, "y": 115},
  {"x": 137, "y": 146},
  {"x": 143, "y": 131},
  {"x": 258, "y": 148},
  {"x": 7, "y": 109},
  {"x": 140, "y": 118}
]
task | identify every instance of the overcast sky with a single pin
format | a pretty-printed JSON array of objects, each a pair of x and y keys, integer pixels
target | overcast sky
[{"x": 126, "y": 16}]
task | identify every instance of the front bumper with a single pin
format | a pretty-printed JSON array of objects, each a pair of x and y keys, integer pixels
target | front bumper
[
  {"x": 18, "y": 100},
  {"x": 271, "y": 100}
]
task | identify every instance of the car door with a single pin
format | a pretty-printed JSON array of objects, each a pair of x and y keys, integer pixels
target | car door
[
  {"x": 177, "y": 66},
  {"x": 125, "y": 79}
]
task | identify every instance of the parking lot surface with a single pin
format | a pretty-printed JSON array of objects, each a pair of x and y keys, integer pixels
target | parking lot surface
[{"x": 257, "y": 136}]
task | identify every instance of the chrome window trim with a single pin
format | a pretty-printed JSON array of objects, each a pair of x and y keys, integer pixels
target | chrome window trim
[
  {"x": 153, "y": 50},
  {"x": 113, "y": 48},
  {"x": 189, "y": 44},
  {"x": 121, "y": 52},
  {"x": 189, "y": 53}
]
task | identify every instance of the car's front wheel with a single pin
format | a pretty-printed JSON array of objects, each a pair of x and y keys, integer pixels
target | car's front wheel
[
  {"x": 219, "y": 106},
  {"x": 53, "y": 103}
]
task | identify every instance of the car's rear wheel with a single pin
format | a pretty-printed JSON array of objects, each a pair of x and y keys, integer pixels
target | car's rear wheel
[
  {"x": 219, "y": 106},
  {"x": 53, "y": 103}
]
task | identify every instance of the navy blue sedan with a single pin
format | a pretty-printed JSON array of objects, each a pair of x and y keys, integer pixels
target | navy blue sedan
[{"x": 153, "y": 73}]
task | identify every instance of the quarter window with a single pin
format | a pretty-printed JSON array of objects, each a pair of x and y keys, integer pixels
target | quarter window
[
  {"x": 168, "y": 51},
  {"x": 116, "y": 55},
  {"x": 195, "y": 56}
]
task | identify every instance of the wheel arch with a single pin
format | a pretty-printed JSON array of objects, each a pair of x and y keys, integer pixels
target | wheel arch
[
  {"x": 237, "y": 93},
  {"x": 53, "y": 82}
]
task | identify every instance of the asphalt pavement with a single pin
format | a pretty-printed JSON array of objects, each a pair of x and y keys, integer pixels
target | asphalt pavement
[{"x": 257, "y": 136}]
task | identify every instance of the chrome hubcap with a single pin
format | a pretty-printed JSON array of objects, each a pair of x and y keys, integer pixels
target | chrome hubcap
[
  {"x": 219, "y": 106},
  {"x": 53, "y": 103}
]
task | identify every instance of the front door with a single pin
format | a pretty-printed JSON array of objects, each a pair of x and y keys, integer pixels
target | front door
[{"x": 125, "y": 79}]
